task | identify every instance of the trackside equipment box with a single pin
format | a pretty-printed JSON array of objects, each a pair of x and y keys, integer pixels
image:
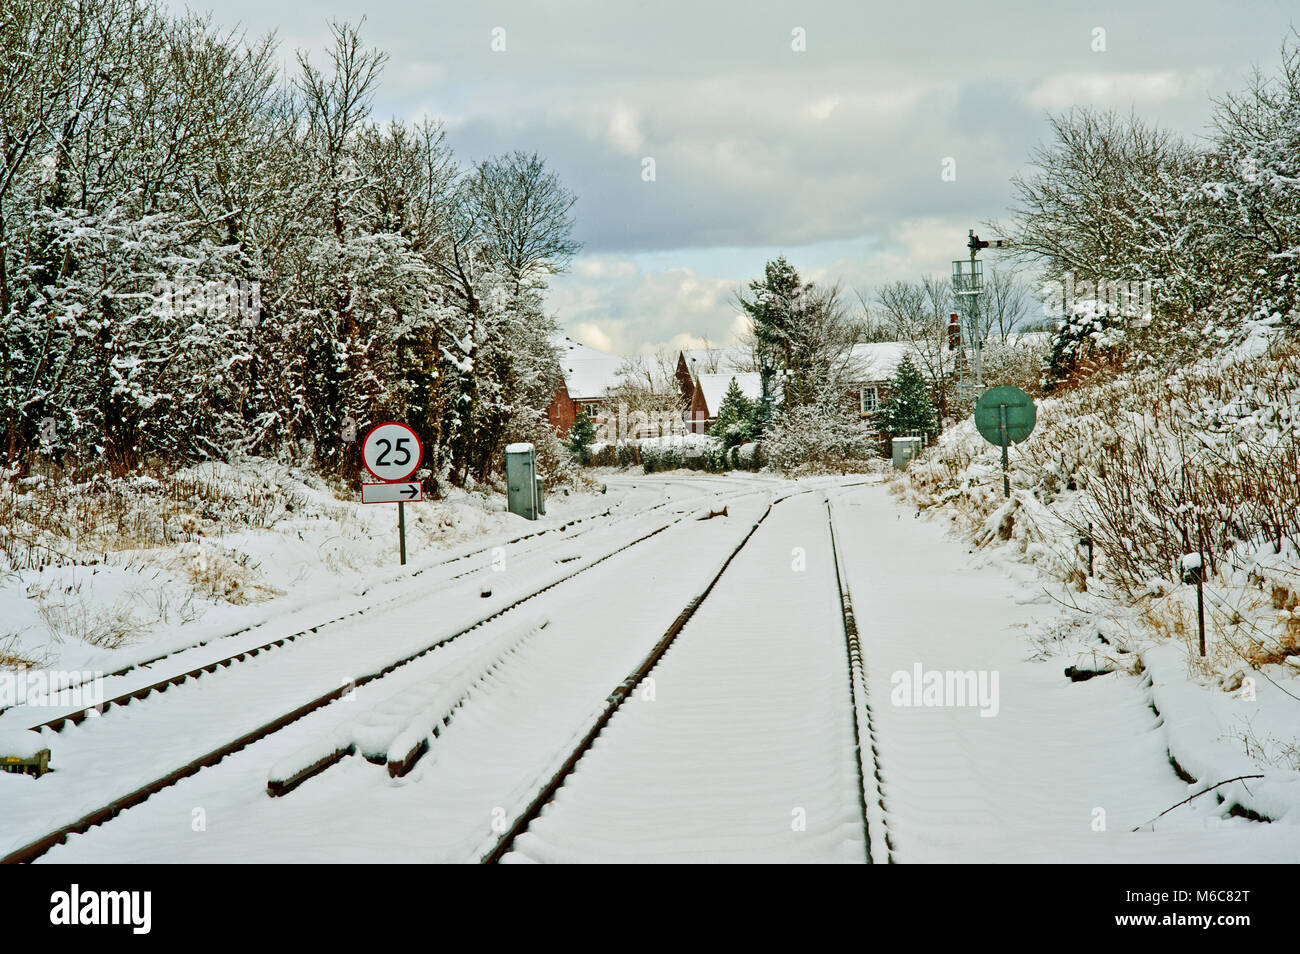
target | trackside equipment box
[{"x": 523, "y": 486}]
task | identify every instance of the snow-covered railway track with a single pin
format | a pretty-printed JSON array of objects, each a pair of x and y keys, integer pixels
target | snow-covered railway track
[
  {"x": 613, "y": 815},
  {"x": 148, "y": 663},
  {"x": 558, "y": 670},
  {"x": 136, "y": 796},
  {"x": 182, "y": 675},
  {"x": 870, "y": 780}
]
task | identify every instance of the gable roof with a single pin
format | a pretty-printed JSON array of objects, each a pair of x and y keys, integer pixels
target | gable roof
[
  {"x": 877, "y": 360},
  {"x": 713, "y": 388},
  {"x": 588, "y": 372}
]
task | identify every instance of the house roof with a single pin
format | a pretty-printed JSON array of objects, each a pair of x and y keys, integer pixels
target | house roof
[
  {"x": 588, "y": 372},
  {"x": 877, "y": 360},
  {"x": 714, "y": 388}
]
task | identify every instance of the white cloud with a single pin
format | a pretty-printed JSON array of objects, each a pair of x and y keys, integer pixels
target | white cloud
[
  {"x": 624, "y": 131},
  {"x": 589, "y": 333},
  {"x": 1069, "y": 89}
]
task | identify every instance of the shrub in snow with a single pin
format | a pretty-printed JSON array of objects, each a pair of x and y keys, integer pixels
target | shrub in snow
[
  {"x": 739, "y": 418},
  {"x": 581, "y": 436},
  {"x": 1151, "y": 468},
  {"x": 815, "y": 437},
  {"x": 1082, "y": 343},
  {"x": 692, "y": 451}
]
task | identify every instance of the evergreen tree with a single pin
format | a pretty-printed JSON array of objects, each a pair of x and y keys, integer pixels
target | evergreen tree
[
  {"x": 735, "y": 417},
  {"x": 582, "y": 435},
  {"x": 760, "y": 418},
  {"x": 908, "y": 410},
  {"x": 801, "y": 329}
]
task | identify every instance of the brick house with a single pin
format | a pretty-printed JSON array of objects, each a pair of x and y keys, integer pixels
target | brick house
[
  {"x": 586, "y": 376},
  {"x": 708, "y": 390},
  {"x": 704, "y": 374}
]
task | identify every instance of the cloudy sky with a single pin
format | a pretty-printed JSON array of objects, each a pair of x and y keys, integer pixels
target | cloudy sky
[{"x": 831, "y": 155}]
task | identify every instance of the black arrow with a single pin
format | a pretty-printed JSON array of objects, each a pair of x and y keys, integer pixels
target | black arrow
[{"x": 411, "y": 491}]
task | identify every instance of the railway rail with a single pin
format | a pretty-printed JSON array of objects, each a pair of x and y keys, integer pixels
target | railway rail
[
  {"x": 116, "y": 806},
  {"x": 76, "y": 717},
  {"x": 869, "y": 780},
  {"x": 37, "y": 847}
]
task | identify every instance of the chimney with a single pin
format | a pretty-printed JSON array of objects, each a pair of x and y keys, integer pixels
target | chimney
[{"x": 954, "y": 332}]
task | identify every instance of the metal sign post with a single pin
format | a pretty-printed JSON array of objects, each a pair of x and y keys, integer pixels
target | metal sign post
[
  {"x": 1006, "y": 481},
  {"x": 1005, "y": 416},
  {"x": 392, "y": 453},
  {"x": 401, "y": 528}
]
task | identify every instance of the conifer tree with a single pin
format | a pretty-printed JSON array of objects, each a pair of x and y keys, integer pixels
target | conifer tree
[
  {"x": 735, "y": 417},
  {"x": 582, "y": 435},
  {"x": 908, "y": 410}
]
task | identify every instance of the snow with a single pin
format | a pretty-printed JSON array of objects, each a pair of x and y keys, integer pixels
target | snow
[
  {"x": 1031, "y": 784},
  {"x": 260, "y": 543},
  {"x": 715, "y": 387},
  {"x": 878, "y": 360},
  {"x": 745, "y": 751},
  {"x": 521, "y": 448},
  {"x": 740, "y": 748},
  {"x": 18, "y": 743},
  {"x": 588, "y": 372}
]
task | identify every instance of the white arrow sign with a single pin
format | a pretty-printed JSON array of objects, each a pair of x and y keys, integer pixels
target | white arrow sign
[{"x": 389, "y": 492}]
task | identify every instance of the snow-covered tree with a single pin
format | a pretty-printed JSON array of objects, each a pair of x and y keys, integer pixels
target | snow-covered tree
[
  {"x": 907, "y": 410},
  {"x": 821, "y": 435},
  {"x": 735, "y": 422},
  {"x": 187, "y": 237},
  {"x": 582, "y": 435}
]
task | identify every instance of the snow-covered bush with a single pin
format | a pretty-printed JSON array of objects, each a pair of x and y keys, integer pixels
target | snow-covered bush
[
  {"x": 819, "y": 437},
  {"x": 690, "y": 451},
  {"x": 1019, "y": 363},
  {"x": 1149, "y": 468}
]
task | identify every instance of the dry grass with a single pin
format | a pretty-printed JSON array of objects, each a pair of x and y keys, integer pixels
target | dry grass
[
  {"x": 1268, "y": 749},
  {"x": 73, "y": 618},
  {"x": 224, "y": 579},
  {"x": 9, "y": 656},
  {"x": 52, "y": 518}
]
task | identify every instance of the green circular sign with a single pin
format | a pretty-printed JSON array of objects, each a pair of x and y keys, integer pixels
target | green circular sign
[{"x": 1005, "y": 415}]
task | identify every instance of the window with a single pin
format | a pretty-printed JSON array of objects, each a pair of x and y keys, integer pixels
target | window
[{"x": 867, "y": 396}]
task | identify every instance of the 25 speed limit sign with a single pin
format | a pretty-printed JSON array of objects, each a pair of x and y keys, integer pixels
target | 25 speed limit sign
[{"x": 391, "y": 451}]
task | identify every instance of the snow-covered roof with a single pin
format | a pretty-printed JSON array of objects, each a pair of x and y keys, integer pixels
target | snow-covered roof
[
  {"x": 588, "y": 372},
  {"x": 878, "y": 360},
  {"x": 714, "y": 387}
]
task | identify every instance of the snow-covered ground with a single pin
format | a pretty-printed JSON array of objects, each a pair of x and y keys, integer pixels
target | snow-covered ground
[
  {"x": 741, "y": 749},
  {"x": 1122, "y": 487},
  {"x": 223, "y": 547},
  {"x": 1064, "y": 771}
]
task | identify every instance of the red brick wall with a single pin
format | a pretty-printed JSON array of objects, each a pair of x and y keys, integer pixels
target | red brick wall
[{"x": 561, "y": 412}]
